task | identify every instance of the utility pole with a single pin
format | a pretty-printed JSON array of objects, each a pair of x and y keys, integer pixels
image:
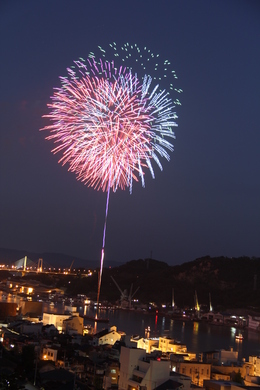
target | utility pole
[{"x": 35, "y": 372}]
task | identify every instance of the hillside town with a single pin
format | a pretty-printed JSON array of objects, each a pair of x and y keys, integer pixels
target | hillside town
[{"x": 45, "y": 350}]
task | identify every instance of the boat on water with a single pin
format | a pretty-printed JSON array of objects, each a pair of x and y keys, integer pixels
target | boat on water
[
  {"x": 239, "y": 337},
  {"x": 96, "y": 319}
]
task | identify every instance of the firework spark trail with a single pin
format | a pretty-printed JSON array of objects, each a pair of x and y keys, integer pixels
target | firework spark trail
[
  {"x": 103, "y": 245},
  {"x": 109, "y": 124}
]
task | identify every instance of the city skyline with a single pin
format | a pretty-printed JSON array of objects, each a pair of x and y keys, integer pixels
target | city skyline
[{"x": 206, "y": 199}]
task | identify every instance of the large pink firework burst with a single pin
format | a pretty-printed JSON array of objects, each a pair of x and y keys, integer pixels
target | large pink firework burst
[{"x": 109, "y": 126}]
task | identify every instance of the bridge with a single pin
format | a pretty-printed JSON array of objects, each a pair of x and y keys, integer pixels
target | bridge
[{"x": 25, "y": 264}]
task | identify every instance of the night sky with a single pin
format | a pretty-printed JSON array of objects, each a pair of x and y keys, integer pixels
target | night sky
[{"x": 207, "y": 199}]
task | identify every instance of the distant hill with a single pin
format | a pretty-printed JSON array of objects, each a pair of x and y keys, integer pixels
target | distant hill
[
  {"x": 231, "y": 282},
  {"x": 10, "y": 256}
]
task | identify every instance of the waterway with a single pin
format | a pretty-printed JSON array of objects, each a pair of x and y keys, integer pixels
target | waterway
[{"x": 197, "y": 336}]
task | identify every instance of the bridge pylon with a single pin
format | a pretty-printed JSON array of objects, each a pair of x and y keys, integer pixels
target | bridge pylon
[
  {"x": 24, "y": 264},
  {"x": 39, "y": 268}
]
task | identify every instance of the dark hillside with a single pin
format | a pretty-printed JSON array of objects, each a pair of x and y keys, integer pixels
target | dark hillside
[{"x": 231, "y": 282}]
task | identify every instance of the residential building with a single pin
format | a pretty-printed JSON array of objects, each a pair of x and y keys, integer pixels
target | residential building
[
  {"x": 228, "y": 356},
  {"x": 255, "y": 360},
  {"x": 163, "y": 344},
  {"x": 197, "y": 371},
  {"x": 28, "y": 327},
  {"x": 232, "y": 369},
  {"x": 218, "y": 376},
  {"x": 146, "y": 344},
  {"x": 220, "y": 357},
  {"x": 74, "y": 324},
  {"x": 111, "y": 376},
  {"x": 180, "y": 378},
  {"x": 108, "y": 336},
  {"x": 139, "y": 370},
  {"x": 50, "y": 353},
  {"x": 254, "y": 323},
  {"x": 210, "y": 357},
  {"x": 56, "y": 320},
  {"x": 181, "y": 357},
  {"x": 167, "y": 344},
  {"x": 169, "y": 385},
  {"x": 221, "y": 385}
]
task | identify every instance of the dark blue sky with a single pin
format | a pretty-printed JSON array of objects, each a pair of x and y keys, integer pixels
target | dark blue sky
[{"x": 206, "y": 200}]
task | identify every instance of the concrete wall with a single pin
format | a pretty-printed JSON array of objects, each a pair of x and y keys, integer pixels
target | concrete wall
[
  {"x": 7, "y": 309},
  {"x": 31, "y": 307}
]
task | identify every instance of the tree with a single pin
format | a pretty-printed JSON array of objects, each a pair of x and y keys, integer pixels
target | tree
[{"x": 238, "y": 378}]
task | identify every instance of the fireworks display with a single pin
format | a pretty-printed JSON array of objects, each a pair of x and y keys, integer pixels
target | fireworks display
[{"x": 111, "y": 118}]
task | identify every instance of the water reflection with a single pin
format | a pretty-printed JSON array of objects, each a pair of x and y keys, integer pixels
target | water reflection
[
  {"x": 195, "y": 327},
  {"x": 233, "y": 332},
  {"x": 155, "y": 324},
  {"x": 197, "y": 336},
  {"x": 147, "y": 333},
  {"x": 195, "y": 339},
  {"x": 163, "y": 325},
  {"x": 10, "y": 298}
]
